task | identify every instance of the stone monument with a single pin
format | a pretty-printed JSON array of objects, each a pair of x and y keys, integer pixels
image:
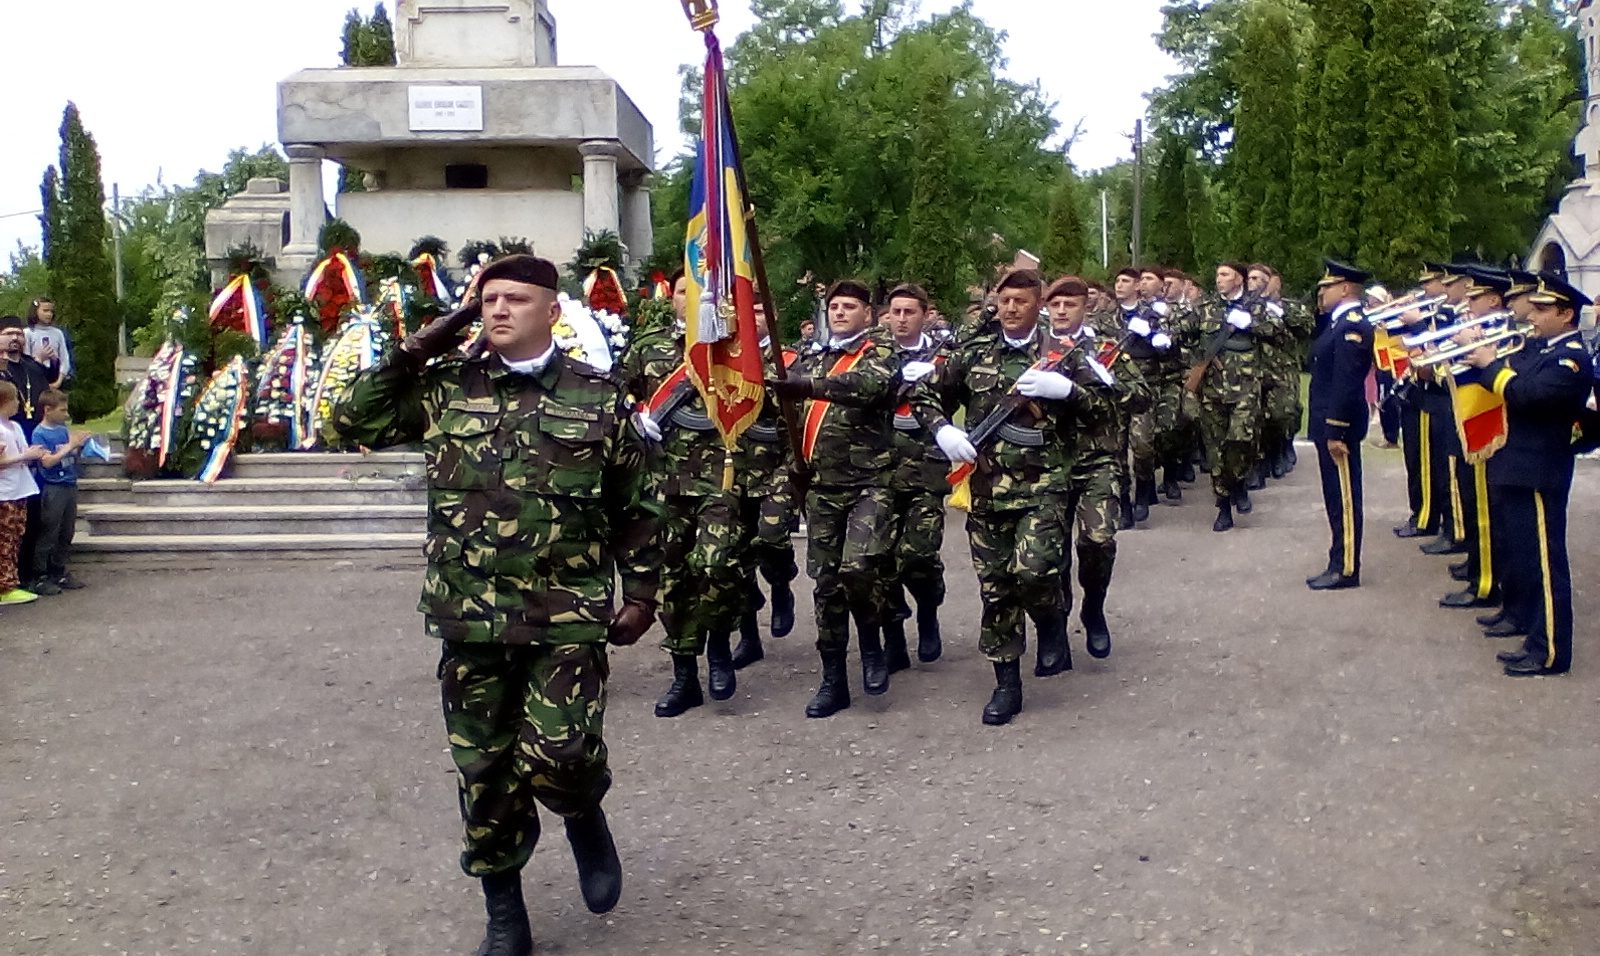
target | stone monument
[
  {"x": 1570, "y": 239},
  {"x": 476, "y": 133},
  {"x": 258, "y": 216}
]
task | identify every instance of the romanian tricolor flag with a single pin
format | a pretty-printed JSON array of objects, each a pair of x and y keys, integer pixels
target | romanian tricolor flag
[
  {"x": 722, "y": 345},
  {"x": 1480, "y": 415},
  {"x": 239, "y": 307}
]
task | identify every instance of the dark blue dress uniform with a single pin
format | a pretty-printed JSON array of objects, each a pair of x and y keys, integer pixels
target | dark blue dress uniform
[
  {"x": 1341, "y": 357},
  {"x": 1416, "y": 434},
  {"x": 1545, "y": 387},
  {"x": 1446, "y": 491}
]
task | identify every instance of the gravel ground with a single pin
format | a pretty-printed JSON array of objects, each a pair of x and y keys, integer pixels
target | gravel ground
[{"x": 249, "y": 760}]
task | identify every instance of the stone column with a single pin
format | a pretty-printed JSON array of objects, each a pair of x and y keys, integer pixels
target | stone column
[
  {"x": 307, "y": 212},
  {"x": 600, "y": 185},
  {"x": 638, "y": 232}
]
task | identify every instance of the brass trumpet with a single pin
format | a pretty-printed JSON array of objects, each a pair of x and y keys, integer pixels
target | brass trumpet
[
  {"x": 1424, "y": 339},
  {"x": 1389, "y": 315},
  {"x": 1507, "y": 341}
]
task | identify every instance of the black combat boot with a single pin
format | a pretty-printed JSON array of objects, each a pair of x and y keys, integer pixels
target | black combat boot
[
  {"x": 720, "y": 679},
  {"x": 1241, "y": 500},
  {"x": 1093, "y": 616},
  {"x": 1143, "y": 497},
  {"x": 874, "y": 665},
  {"x": 834, "y": 694},
  {"x": 1290, "y": 458},
  {"x": 894, "y": 645},
  {"x": 1006, "y": 702},
  {"x": 685, "y": 690},
  {"x": 1054, "y": 654},
  {"x": 1125, "y": 518},
  {"x": 1186, "y": 473},
  {"x": 599, "y": 870},
  {"x": 507, "y": 933},
  {"x": 1170, "y": 489},
  {"x": 1255, "y": 478},
  {"x": 930, "y": 645},
  {"x": 749, "y": 650},
  {"x": 1276, "y": 466},
  {"x": 782, "y": 610},
  {"x": 1224, "y": 520}
]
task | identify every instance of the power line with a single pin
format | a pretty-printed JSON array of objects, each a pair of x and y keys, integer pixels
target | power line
[{"x": 27, "y": 212}]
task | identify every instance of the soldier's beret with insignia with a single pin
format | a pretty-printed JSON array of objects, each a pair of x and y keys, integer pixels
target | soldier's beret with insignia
[
  {"x": 850, "y": 289},
  {"x": 1487, "y": 282},
  {"x": 522, "y": 268},
  {"x": 1335, "y": 272},
  {"x": 1554, "y": 290}
]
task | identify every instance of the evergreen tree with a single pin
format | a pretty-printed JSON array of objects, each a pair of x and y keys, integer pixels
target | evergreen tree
[
  {"x": 1301, "y": 255},
  {"x": 1205, "y": 225},
  {"x": 353, "y": 27},
  {"x": 1342, "y": 134},
  {"x": 1169, "y": 236},
  {"x": 1410, "y": 156},
  {"x": 1259, "y": 170},
  {"x": 933, "y": 218},
  {"x": 50, "y": 212},
  {"x": 1065, "y": 244},
  {"x": 81, "y": 279},
  {"x": 381, "y": 36}
]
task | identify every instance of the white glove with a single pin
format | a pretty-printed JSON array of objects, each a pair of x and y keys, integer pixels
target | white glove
[
  {"x": 1240, "y": 319},
  {"x": 646, "y": 426},
  {"x": 1160, "y": 308},
  {"x": 1139, "y": 327},
  {"x": 1047, "y": 385},
  {"x": 916, "y": 371},
  {"x": 1161, "y": 340},
  {"x": 955, "y": 445}
]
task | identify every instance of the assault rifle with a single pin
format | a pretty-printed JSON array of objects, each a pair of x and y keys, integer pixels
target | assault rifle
[
  {"x": 1012, "y": 403},
  {"x": 1197, "y": 373}
]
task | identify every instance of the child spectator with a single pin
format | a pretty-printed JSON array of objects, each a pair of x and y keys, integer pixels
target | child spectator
[
  {"x": 48, "y": 343},
  {"x": 58, "y": 473},
  {"x": 16, "y": 487}
]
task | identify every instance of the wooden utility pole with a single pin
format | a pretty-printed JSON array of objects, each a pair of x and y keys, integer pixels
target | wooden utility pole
[{"x": 1138, "y": 192}]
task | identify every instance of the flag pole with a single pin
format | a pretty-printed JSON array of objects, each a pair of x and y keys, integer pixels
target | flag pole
[{"x": 703, "y": 17}]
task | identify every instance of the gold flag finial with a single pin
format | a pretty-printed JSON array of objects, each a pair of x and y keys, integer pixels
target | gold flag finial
[{"x": 702, "y": 13}]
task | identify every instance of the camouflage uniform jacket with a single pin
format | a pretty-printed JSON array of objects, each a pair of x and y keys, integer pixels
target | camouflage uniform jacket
[
  {"x": 690, "y": 458},
  {"x": 761, "y": 461},
  {"x": 1266, "y": 325},
  {"x": 919, "y": 464},
  {"x": 535, "y": 488},
  {"x": 854, "y": 443},
  {"x": 1101, "y": 440},
  {"x": 1033, "y": 455}
]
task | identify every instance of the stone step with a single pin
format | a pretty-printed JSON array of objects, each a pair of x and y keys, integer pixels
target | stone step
[
  {"x": 317, "y": 464},
  {"x": 104, "y": 491},
  {"x": 240, "y": 520},
  {"x": 386, "y": 549},
  {"x": 266, "y": 492}
]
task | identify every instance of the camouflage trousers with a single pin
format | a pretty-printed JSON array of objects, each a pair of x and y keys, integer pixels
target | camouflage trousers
[
  {"x": 1230, "y": 410},
  {"x": 525, "y": 723},
  {"x": 703, "y": 541},
  {"x": 1018, "y": 554},
  {"x": 769, "y": 522},
  {"x": 1096, "y": 506},
  {"x": 1174, "y": 420},
  {"x": 1281, "y": 412},
  {"x": 917, "y": 565},
  {"x": 847, "y": 554}
]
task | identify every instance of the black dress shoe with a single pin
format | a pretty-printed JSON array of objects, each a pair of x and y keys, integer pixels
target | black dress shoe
[
  {"x": 1531, "y": 667},
  {"x": 1465, "y": 599},
  {"x": 1512, "y": 657},
  {"x": 1334, "y": 582},
  {"x": 599, "y": 870},
  {"x": 1443, "y": 546},
  {"x": 1408, "y": 530},
  {"x": 1490, "y": 620},
  {"x": 1458, "y": 573},
  {"x": 1505, "y": 629}
]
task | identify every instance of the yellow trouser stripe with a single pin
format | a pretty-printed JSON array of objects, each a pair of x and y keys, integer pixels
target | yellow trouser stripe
[
  {"x": 1456, "y": 533},
  {"x": 1348, "y": 506},
  {"x": 1480, "y": 481},
  {"x": 1425, "y": 456},
  {"x": 1544, "y": 579}
]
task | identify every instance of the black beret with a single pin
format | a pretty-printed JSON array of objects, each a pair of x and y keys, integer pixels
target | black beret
[
  {"x": 1066, "y": 286},
  {"x": 850, "y": 289},
  {"x": 522, "y": 268}
]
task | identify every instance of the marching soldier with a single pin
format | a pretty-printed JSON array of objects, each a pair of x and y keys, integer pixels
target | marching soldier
[
  {"x": 767, "y": 509},
  {"x": 847, "y": 441},
  {"x": 920, "y": 486},
  {"x": 1095, "y": 495},
  {"x": 702, "y": 537},
  {"x": 1341, "y": 357},
  {"x": 1281, "y": 364},
  {"x": 1226, "y": 377},
  {"x": 1545, "y": 386},
  {"x": 535, "y": 503},
  {"x": 1023, "y": 399},
  {"x": 1151, "y": 431}
]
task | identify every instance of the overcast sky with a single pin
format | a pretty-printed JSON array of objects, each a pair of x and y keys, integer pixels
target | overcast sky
[{"x": 168, "y": 87}]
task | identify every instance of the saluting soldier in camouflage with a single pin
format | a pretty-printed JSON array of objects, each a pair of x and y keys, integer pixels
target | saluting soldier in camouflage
[
  {"x": 1227, "y": 378},
  {"x": 767, "y": 515},
  {"x": 1018, "y": 523},
  {"x": 920, "y": 485},
  {"x": 535, "y": 504},
  {"x": 1096, "y": 492},
  {"x": 849, "y": 388},
  {"x": 702, "y": 541}
]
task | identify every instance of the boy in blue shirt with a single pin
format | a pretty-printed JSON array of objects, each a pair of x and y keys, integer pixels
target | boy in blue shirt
[{"x": 58, "y": 482}]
